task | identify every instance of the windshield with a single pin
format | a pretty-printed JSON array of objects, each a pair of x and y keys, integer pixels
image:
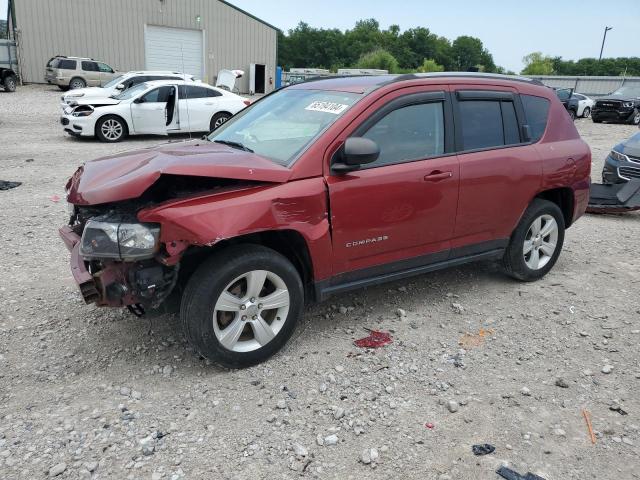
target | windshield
[
  {"x": 629, "y": 91},
  {"x": 114, "y": 82},
  {"x": 280, "y": 126},
  {"x": 132, "y": 92}
]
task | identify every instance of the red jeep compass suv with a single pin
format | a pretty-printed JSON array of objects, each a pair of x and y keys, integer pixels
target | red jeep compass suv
[{"x": 323, "y": 187}]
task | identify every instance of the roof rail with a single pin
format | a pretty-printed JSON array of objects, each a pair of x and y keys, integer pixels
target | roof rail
[{"x": 494, "y": 76}]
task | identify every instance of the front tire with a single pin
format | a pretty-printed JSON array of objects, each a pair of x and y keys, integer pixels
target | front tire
[
  {"x": 218, "y": 120},
  {"x": 536, "y": 242},
  {"x": 586, "y": 113},
  {"x": 635, "y": 119},
  {"x": 572, "y": 115},
  {"x": 111, "y": 129},
  {"x": 242, "y": 305},
  {"x": 10, "y": 83}
]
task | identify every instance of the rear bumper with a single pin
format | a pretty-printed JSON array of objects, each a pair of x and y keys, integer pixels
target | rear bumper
[
  {"x": 619, "y": 115},
  {"x": 81, "y": 275}
]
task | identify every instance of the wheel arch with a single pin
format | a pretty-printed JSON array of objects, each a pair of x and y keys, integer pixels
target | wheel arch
[
  {"x": 80, "y": 77},
  {"x": 563, "y": 197},
  {"x": 289, "y": 243},
  {"x": 106, "y": 114}
]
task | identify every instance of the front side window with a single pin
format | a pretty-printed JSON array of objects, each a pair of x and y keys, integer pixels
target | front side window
[
  {"x": 103, "y": 67},
  {"x": 158, "y": 95},
  {"x": 536, "y": 110},
  {"x": 409, "y": 133},
  {"x": 280, "y": 126},
  {"x": 488, "y": 123}
]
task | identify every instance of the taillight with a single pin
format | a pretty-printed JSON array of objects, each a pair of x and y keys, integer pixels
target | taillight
[{"x": 247, "y": 102}]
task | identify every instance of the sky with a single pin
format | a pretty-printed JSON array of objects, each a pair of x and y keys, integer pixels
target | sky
[{"x": 510, "y": 29}]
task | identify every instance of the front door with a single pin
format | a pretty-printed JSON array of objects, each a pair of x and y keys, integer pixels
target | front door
[
  {"x": 400, "y": 209},
  {"x": 152, "y": 111}
]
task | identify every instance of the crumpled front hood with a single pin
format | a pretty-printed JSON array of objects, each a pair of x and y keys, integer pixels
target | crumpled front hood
[
  {"x": 89, "y": 92},
  {"x": 620, "y": 98},
  {"x": 95, "y": 101},
  {"x": 127, "y": 176}
]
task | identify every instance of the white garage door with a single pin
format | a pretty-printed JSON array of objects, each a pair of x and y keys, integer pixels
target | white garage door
[{"x": 174, "y": 49}]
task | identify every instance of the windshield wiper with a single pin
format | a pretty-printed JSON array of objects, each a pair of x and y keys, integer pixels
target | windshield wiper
[{"x": 237, "y": 145}]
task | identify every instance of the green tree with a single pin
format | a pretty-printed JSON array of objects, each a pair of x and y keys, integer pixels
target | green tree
[
  {"x": 537, "y": 64},
  {"x": 379, "y": 59},
  {"x": 468, "y": 54},
  {"x": 430, "y": 65}
]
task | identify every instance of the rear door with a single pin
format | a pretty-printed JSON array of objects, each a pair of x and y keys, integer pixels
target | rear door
[
  {"x": 197, "y": 105},
  {"x": 399, "y": 211},
  {"x": 500, "y": 172},
  {"x": 149, "y": 112}
]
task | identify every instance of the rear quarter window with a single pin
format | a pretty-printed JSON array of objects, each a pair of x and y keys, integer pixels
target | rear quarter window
[{"x": 536, "y": 110}]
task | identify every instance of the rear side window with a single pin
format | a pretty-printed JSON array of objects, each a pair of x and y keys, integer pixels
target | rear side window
[
  {"x": 189, "y": 91},
  {"x": 66, "y": 64},
  {"x": 90, "y": 66},
  {"x": 536, "y": 110},
  {"x": 409, "y": 133},
  {"x": 488, "y": 123}
]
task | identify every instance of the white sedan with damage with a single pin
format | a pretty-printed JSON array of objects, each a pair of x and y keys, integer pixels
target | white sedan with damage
[{"x": 152, "y": 108}]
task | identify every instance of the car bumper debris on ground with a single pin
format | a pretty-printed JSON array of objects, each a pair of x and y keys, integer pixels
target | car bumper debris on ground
[{"x": 86, "y": 391}]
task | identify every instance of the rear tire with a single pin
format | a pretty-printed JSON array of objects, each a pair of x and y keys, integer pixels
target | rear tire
[
  {"x": 586, "y": 112},
  {"x": 111, "y": 129},
  {"x": 572, "y": 114},
  {"x": 226, "y": 320},
  {"x": 10, "y": 83},
  {"x": 218, "y": 120},
  {"x": 536, "y": 242},
  {"x": 76, "y": 83}
]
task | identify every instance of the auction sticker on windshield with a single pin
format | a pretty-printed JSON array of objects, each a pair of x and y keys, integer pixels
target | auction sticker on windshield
[{"x": 327, "y": 107}]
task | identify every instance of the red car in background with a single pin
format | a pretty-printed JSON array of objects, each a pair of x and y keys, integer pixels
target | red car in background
[{"x": 323, "y": 187}]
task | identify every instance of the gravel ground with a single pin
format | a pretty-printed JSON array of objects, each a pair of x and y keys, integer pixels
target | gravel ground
[{"x": 94, "y": 393}]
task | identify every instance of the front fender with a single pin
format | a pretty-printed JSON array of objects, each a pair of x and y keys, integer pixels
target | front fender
[{"x": 206, "y": 220}]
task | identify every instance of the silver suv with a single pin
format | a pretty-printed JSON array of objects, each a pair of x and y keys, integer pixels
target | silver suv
[{"x": 76, "y": 72}]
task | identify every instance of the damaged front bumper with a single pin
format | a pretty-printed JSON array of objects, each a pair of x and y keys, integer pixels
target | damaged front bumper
[{"x": 119, "y": 284}]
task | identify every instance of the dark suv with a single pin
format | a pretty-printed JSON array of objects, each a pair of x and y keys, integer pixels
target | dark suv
[
  {"x": 324, "y": 187},
  {"x": 623, "y": 105}
]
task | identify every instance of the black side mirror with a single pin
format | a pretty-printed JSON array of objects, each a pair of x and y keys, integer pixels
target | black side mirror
[{"x": 357, "y": 151}]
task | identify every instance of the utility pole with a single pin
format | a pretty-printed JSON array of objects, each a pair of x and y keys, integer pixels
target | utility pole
[{"x": 606, "y": 29}]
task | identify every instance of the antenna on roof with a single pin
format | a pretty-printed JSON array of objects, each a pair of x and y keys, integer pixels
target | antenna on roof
[{"x": 186, "y": 90}]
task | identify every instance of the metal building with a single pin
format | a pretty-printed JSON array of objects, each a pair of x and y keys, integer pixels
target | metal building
[{"x": 203, "y": 36}]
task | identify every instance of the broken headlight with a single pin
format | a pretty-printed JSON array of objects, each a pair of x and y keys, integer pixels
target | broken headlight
[
  {"x": 82, "y": 111},
  {"x": 628, "y": 104},
  {"x": 119, "y": 241}
]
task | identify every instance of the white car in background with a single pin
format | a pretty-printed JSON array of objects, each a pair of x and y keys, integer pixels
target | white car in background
[
  {"x": 585, "y": 105},
  {"x": 153, "y": 108},
  {"x": 120, "y": 84}
]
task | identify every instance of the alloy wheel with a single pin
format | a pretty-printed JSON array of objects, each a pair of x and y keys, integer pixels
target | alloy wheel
[
  {"x": 251, "y": 311},
  {"x": 111, "y": 129},
  {"x": 541, "y": 242},
  {"x": 77, "y": 84},
  {"x": 586, "y": 113},
  {"x": 220, "y": 121},
  {"x": 636, "y": 118},
  {"x": 10, "y": 84}
]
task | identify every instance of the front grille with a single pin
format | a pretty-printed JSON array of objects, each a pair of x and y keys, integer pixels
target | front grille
[
  {"x": 633, "y": 159},
  {"x": 629, "y": 172},
  {"x": 608, "y": 104}
]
